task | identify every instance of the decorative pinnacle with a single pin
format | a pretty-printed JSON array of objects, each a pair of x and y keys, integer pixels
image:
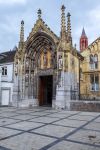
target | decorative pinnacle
[
  {"x": 63, "y": 20},
  {"x": 22, "y": 32},
  {"x": 68, "y": 15},
  {"x": 39, "y": 13},
  {"x": 68, "y": 25},
  {"x": 63, "y": 7},
  {"x": 22, "y": 22}
]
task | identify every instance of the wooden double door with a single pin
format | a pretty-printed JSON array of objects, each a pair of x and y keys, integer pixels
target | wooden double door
[{"x": 45, "y": 90}]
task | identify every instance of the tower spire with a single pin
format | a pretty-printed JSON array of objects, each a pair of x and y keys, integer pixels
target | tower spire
[
  {"x": 83, "y": 41},
  {"x": 21, "y": 42},
  {"x": 69, "y": 26},
  {"x": 63, "y": 22},
  {"x": 83, "y": 32}
]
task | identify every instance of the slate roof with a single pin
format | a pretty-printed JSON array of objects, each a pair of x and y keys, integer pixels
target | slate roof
[
  {"x": 83, "y": 33},
  {"x": 7, "y": 57}
]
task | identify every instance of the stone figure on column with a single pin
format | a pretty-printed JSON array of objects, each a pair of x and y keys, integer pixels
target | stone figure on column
[
  {"x": 60, "y": 62},
  {"x": 27, "y": 63},
  {"x": 16, "y": 69},
  {"x": 45, "y": 60}
]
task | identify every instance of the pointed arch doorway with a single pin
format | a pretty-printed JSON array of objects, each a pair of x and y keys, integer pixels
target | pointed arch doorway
[{"x": 45, "y": 90}]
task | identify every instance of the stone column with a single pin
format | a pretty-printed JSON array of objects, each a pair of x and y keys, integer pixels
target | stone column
[
  {"x": 63, "y": 85},
  {"x": 15, "y": 91},
  {"x": 63, "y": 94}
]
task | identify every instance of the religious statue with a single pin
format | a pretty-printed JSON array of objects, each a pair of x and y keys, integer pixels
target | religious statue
[
  {"x": 27, "y": 63},
  {"x": 60, "y": 62},
  {"x": 16, "y": 69},
  {"x": 27, "y": 77},
  {"x": 45, "y": 60}
]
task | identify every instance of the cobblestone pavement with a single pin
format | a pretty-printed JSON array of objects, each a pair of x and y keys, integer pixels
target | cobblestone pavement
[{"x": 48, "y": 129}]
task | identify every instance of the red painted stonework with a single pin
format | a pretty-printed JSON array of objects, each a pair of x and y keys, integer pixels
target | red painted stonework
[{"x": 83, "y": 41}]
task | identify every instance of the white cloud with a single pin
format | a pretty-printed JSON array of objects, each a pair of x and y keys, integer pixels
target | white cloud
[
  {"x": 9, "y": 2},
  {"x": 95, "y": 14},
  {"x": 93, "y": 23}
]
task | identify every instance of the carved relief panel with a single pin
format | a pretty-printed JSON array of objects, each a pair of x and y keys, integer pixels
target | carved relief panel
[{"x": 45, "y": 61}]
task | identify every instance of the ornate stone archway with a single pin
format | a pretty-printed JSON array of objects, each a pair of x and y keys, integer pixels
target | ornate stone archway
[{"x": 40, "y": 60}]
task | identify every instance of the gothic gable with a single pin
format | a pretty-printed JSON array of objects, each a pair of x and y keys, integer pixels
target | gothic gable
[{"x": 39, "y": 27}]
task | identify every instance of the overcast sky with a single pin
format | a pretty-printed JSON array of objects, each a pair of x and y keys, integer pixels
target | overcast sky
[{"x": 83, "y": 13}]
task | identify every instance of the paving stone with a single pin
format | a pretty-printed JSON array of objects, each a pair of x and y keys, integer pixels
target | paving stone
[
  {"x": 5, "y": 109},
  {"x": 59, "y": 115},
  {"x": 25, "y": 125},
  {"x": 24, "y": 111},
  {"x": 7, "y": 132},
  {"x": 97, "y": 120},
  {"x": 53, "y": 130},
  {"x": 6, "y": 121},
  {"x": 7, "y": 114},
  {"x": 51, "y": 111},
  {"x": 90, "y": 113},
  {"x": 39, "y": 113},
  {"x": 71, "y": 123},
  {"x": 82, "y": 117},
  {"x": 23, "y": 117},
  {"x": 86, "y": 136},
  {"x": 66, "y": 145},
  {"x": 70, "y": 112},
  {"x": 27, "y": 141},
  {"x": 93, "y": 126},
  {"x": 44, "y": 119}
]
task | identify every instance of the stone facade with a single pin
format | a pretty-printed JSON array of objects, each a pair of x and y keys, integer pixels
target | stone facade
[
  {"x": 45, "y": 59},
  {"x": 90, "y": 72}
]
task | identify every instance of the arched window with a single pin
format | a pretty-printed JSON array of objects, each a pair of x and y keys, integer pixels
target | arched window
[
  {"x": 94, "y": 81},
  {"x": 91, "y": 58},
  {"x": 96, "y": 61},
  {"x": 93, "y": 61}
]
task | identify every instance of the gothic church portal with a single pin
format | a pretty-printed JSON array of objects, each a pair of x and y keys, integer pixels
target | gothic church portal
[{"x": 46, "y": 67}]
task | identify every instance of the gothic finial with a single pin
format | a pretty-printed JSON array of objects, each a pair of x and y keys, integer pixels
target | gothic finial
[
  {"x": 68, "y": 25},
  {"x": 69, "y": 28},
  {"x": 21, "y": 42},
  {"x": 68, "y": 14},
  {"x": 39, "y": 13},
  {"x": 63, "y": 7},
  {"x": 22, "y": 22},
  {"x": 22, "y": 32},
  {"x": 63, "y": 21}
]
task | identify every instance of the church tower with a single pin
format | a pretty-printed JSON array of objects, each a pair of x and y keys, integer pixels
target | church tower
[{"x": 83, "y": 41}]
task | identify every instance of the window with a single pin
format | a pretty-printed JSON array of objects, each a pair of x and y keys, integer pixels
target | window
[
  {"x": 94, "y": 81},
  {"x": 4, "y": 71},
  {"x": 93, "y": 61},
  {"x": 96, "y": 61}
]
